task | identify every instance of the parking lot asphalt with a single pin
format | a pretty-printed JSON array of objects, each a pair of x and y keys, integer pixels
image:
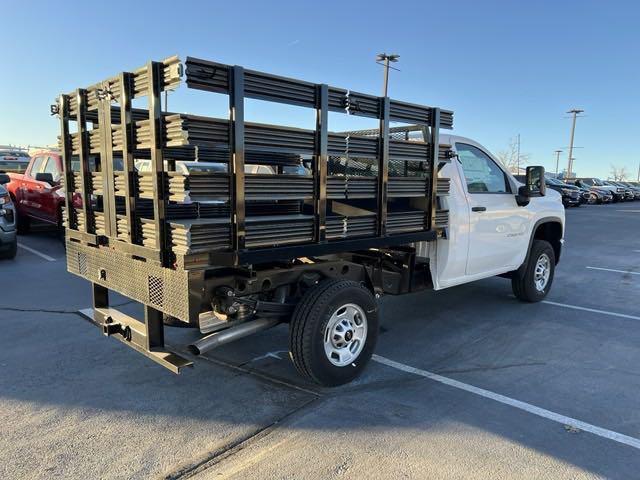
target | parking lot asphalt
[{"x": 467, "y": 382}]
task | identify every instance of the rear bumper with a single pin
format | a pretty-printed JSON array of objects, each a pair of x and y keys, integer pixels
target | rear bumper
[{"x": 145, "y": 337}]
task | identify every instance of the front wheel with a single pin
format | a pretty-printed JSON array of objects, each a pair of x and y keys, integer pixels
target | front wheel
[
  {"x": 9, "y": 253},
  {"x": 534, "y": 282},
  {"x": 333, "y": 332}
]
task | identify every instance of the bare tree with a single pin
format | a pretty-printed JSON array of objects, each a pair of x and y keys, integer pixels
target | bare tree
[
  {"x": 618, "y": 173},
  {"x": 509, "y": 156}
]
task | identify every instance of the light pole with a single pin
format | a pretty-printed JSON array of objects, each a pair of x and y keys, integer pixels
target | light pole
[
  {"x": 518, "y": 157},
  {"x": 557, "y": 152},
  {"x": 574, "y": 112},
  {"x": 384, "y": 59}
]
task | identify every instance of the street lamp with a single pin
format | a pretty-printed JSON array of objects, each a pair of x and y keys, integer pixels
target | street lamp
[
  {"x": 557, "y": 152},
  {"x": 384, "y": 59},
  {"x": 574, "y": 112}
]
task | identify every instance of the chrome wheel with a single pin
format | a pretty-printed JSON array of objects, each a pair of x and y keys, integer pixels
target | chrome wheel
[
  {"x": 345, "y": 334},
  {"x": 542, "y": 272}
]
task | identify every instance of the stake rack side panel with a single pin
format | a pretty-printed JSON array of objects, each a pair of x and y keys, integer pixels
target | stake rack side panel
[{"x": 190, "y": 192}]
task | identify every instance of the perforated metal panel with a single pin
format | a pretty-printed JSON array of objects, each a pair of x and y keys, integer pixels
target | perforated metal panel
[
  {"x": 156, "y": 291},
  {"x": 144, "y": 282}
]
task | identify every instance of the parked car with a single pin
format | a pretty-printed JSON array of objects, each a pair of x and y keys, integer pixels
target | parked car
[
  {"x": 596, "y": 195},
  {"x": 635, "y": 188},
  {"x": 630, "y": 192},
  {"x": 626, "y": 191},
  {"x": 617, "y": 192},
  {"x": 603, "y": 196},
  {"x": 587, "y": 196},
  {"x": 14, "y": 155},
  {"x": 8, "y": 240},
  {"x": 13, "y": 161},
  {"x": 571, "y": 194},
  {"x": 38, "y": 193}
]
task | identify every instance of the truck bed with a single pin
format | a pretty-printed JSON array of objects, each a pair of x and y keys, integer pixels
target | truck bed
[{"x": 330, "y": 191}]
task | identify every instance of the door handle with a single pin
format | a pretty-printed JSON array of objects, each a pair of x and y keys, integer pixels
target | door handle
[{"x": 479, "y": 209}]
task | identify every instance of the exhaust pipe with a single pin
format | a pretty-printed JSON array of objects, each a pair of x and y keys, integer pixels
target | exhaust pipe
[{"x": 230, "y": 334}]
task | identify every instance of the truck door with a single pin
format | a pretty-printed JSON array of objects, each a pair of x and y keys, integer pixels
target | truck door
[
  {"x": 497, "y": 226},
  {"x": 44, "y": 201},
  {"x": 27, "y": 187}
]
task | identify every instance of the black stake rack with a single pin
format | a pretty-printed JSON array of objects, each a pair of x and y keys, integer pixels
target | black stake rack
[{"x": 323, "y": 192}]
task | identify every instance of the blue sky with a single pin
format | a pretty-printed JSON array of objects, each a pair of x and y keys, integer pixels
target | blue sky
[{"x": 504, "y": 67}]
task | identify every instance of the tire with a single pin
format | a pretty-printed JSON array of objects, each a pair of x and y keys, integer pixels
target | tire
[
  {"x": 23, "y": 223},
  {"x": 60, "y": 230},
  {"x": 317, "y": 326},
  {"x": 10, "y": 253},
  {"x": 524, "y": 283}
]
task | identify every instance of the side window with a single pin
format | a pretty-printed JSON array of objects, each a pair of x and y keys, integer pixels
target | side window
[
  {"x": 36, "y": 166},
  {"x": 52, "y": 168},
  {"x": 480, "y": 171}
]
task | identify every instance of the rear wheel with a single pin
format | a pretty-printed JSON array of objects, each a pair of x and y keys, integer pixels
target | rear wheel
[
  {"x": 533, "y": 284},
  {"x": 333, "y": 332}
]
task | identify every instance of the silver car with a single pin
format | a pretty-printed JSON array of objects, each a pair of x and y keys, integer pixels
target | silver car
[{"x": 8, "y": 240}]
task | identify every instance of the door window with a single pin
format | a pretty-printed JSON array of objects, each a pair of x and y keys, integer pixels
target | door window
[
  {"x": 36, "y": 166},
  {"x": 52, "y": 168},
  {"x": 482, "y": 174}
]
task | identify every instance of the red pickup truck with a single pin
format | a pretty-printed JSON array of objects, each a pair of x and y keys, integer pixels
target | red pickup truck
[{"x": 38, "y": 194}]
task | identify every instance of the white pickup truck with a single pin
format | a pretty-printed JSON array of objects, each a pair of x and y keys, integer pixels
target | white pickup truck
[{"x": 216, "y": 224}]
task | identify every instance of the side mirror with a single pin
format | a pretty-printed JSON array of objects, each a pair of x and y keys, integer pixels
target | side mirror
[
  {"x": 45, "y": 177},
  {"x": 4, "y": 178},
  {"x": 534, "y": 186}
]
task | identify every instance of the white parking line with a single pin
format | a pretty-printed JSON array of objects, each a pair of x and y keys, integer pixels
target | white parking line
[
  {"x": 593, "y": 310},
  {"x": 527, "y": 407},
  {"x": 36, "y": 252},
  {"x": 613, "y": 270}
]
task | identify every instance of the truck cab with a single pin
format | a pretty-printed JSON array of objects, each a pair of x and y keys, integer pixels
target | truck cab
[
  {"x": 490, "y": 233},
  {"x": 38, "y": 194}
]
